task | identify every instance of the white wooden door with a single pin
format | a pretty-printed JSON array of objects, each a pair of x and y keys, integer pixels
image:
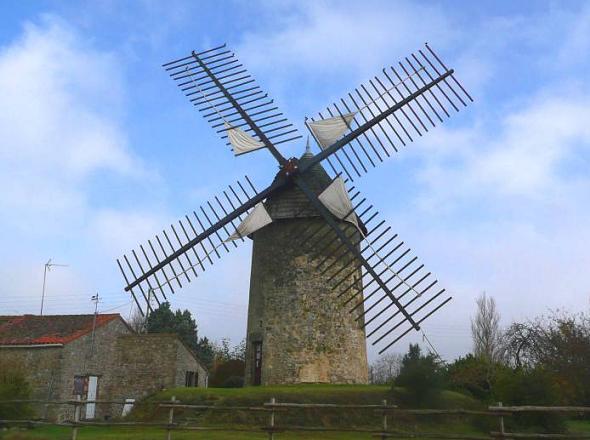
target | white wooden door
[{"x": 92, "y": 389}]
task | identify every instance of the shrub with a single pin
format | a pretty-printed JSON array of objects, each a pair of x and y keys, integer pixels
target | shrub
[
  {"x": 233, "y": 382},
  {"x": 473, "y": 375},
  {"x": 13, "y": 386},
  {"x": 529, "y": 386},
  {"x": 226, "y": 374},
  {"x": 421, "y": 376}
]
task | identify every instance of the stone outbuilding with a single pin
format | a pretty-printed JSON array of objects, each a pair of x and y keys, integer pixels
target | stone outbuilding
[{"x": 96, "y": 356}]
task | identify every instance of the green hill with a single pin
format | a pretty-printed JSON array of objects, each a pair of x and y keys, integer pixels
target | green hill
[{"x": 335, "y": 418}]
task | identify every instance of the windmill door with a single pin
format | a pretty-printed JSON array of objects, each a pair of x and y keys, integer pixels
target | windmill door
[{"x": 257, "y": 363}]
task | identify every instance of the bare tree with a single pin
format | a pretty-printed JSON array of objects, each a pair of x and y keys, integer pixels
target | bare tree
[
  {"x": 137, "y": 321},
  {"x": 385, "y": 369},
  {"x": 485, "y": 330}
]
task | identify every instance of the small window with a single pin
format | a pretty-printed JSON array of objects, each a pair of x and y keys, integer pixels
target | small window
[{"x": 190, "y": 379}]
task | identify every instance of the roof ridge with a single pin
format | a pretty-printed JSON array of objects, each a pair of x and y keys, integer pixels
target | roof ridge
[{"x": 37, "y": 329}]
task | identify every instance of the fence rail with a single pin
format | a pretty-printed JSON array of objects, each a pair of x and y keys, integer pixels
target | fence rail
[{"x": 274, "y": 408}]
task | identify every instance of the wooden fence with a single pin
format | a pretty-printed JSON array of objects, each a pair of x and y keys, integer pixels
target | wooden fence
[{"x": 273, "y": 409}]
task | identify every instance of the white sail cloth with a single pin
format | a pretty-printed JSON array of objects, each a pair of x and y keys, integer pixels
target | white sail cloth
[
  {"x": 257, "y": 219},
  {"x": 335, "y": 198},
  {"x": 328, "y": 131},
  {"x": 241, "y": 141}
]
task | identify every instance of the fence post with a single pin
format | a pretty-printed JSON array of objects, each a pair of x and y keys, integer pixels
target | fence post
[
  {"x": 170, "y": 420},
  {"x": 77, "y": 409},
  {"x": 384, "y": 427},
  {"x": 271, "y": 420},
  {"x": 501, "y": 422}
]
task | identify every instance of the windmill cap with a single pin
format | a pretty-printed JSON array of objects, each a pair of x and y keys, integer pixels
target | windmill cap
[{"x": 291, "y": 202}]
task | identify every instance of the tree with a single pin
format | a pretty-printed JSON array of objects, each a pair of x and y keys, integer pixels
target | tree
[
  {"x": 205, "y": 352},
  {"x": 137, "y": 321},
  {"x": 228, "y": 364},
  {"x": 385, "y": 369},
  {"x": 560, "y": 345},
  {"x": 420, "y": 375},
  {"x": 239, "y": 351},
  {"x": 164, "y": 320},
  {"x": 223, "y": 350},
  {"x": 485, "y": 330}
]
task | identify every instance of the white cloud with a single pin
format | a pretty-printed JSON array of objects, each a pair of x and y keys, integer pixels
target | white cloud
[
  {"x": 530, "y": 155},
  {"x": 120, "y": 231},
  {"x": 60, "y": 112},
  {"x": 358, "y": 38},
  {"x": 61, "y": 100}
]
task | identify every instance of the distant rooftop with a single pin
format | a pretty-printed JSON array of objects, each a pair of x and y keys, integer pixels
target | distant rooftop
[{"x": 48, "y": 329}]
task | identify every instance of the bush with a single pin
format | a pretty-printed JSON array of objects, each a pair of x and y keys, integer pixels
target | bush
[
  {"x": 233, "y": 382},
  {"x": 226, "y": 374},
  {"x": 473, "y": 376},
  {"x": 529, "y": 386},
  {"x": 421, "y": 376},
  {"x": 13, "y": 386}
]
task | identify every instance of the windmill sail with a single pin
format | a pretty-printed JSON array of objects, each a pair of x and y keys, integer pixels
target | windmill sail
[
  {"x": 391, "y": 110},
  {"x": 256, "y": 220},
  {"x": 241, "y": 141},
  {"x": 189, "y": 246},
  {"x": 327, "y": 131},
  {"x": 336, "y": 199},
  {"x": 415, "y": 288},
  {"x": 219, "y": 86}
]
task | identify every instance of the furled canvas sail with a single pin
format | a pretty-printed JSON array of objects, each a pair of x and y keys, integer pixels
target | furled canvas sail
[
  {"x": 257, "y": 219},
  {"x": 336, "y": 199},
  {"x": 328, "y": 131},
  {"x": 241, "y": 141}
]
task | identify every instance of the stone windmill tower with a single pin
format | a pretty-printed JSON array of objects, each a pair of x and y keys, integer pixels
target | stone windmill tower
[
  {"x": 297, "y": 329},
  {"x": 326, "y": 272}
]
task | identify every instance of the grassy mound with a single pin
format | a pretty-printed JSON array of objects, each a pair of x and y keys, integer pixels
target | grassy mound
[{"x": 256, "y": 396}]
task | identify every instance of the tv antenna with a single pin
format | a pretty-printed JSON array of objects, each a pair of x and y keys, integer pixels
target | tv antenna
[{"x": 48, "y": 267}]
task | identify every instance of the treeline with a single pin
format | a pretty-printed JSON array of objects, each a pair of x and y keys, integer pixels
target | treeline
[{"x": 543, "y": 361}]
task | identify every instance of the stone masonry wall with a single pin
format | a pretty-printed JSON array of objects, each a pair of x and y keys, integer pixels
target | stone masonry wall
[
  {"x": 185, "y": 361},
  {"x": 151, "y": 362},
  {"x": 83, "y": 357},
  {"x": 127, "y": 366},
  {"x": 42, "y": 367},
  {"x": 51, "y": 370},
  {"x": 307, "y": 334}
]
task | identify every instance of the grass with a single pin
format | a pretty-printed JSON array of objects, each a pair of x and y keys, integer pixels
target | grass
[
  {"x": 255, "y": 396},
  {"x": 578, "y": 426},
  {"x": 93, "y": 433}
]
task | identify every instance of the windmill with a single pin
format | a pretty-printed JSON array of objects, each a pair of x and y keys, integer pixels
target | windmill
[{"x": 320, "y": 250}]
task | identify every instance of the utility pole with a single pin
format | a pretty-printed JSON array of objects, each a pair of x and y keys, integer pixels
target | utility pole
[
  {"x": 147, "y": 312},
  {"x": 95, "y": 299},
  {"x": 48, "y": 267}
]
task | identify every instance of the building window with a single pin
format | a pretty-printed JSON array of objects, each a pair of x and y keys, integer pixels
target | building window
[{"x": 191, "y": 379}]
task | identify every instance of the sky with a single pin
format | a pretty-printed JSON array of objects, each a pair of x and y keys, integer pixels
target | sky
[{"x": 99, "y": 150}]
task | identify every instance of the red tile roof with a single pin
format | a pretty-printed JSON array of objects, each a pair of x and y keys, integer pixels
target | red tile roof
[{"x": 49, "y": 329}]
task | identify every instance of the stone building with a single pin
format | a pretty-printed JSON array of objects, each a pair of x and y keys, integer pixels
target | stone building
[
  {"x": 298, "y": 329},
  {"x": 100, "y": 358}
]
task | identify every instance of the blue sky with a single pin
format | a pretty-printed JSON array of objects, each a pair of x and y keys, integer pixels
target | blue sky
[{"x": 100, "y": 150}]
